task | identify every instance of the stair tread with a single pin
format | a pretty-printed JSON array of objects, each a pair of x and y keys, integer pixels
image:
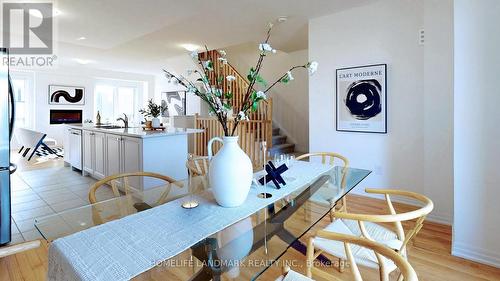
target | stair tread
[{"x": 282, "y": 146}]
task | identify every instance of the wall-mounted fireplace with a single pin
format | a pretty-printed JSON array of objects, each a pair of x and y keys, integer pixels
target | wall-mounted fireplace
[{"x": 66, "y": 116}]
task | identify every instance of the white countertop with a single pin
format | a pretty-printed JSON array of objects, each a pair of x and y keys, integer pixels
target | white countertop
[{"x": 138, "y": 132}]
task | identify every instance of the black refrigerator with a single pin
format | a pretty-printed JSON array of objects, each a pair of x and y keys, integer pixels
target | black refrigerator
[{"x": 7, "y": 108}]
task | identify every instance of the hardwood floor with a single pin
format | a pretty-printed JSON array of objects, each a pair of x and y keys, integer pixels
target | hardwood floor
[{"x": 429, "y": 255}]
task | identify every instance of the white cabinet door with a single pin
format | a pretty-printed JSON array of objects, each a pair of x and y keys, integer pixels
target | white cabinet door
[
  {"x": 113, "y": 155},
  {"x": 88, "y": 148},
  {"x": 131, "y": 160},
  {"x": 132, "y": 155},
  {"x": 99, "y": 155}
]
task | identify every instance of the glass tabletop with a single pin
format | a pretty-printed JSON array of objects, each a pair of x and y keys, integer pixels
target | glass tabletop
[
  {"x": 242, "y": 251},
  {"x": 74, "y": 220}
]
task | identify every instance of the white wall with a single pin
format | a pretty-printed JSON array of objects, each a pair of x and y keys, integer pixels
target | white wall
[
  {"x": 438, "y": 107},
  {"x": 387, "y": 32},
  {"x": 84, "y": 77},
  {"x": 477, "y": 191},
  {"x": 290, "y": 102}
]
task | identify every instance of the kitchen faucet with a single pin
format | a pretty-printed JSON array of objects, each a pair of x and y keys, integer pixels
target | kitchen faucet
[{"x": 125, "y": 120}]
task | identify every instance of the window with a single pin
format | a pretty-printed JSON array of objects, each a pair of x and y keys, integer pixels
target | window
[
  {"x": 113, "y": 98},
  {"x": 23, "y": 97}
]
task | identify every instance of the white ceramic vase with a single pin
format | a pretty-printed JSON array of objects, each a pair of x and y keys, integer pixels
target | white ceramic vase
[
  {"x": 230, "y": 172},
  {"x": 155, "y": 122}
]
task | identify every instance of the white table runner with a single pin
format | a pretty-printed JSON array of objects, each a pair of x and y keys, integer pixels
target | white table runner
[{"x": 124, "y": 248}]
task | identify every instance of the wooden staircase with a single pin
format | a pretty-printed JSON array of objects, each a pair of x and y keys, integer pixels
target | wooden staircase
[
  {"x": 253, "y": 132},
  {"x": 280, "y": 144}
]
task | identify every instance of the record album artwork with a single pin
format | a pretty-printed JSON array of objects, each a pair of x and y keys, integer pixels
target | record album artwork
[
  {"x": 362, "y": 99},
  {"x": 64, "y": 95}
]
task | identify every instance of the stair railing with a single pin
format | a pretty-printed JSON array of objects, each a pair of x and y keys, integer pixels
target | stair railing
[
  {"x": 239, "y": 88},
  {"x": 251, "y": 133}
]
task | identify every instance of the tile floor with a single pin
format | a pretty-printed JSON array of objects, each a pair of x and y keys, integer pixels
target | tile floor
[{"x": 41, "y": 192}]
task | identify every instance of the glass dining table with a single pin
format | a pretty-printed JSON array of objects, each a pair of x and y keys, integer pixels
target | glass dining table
[{"x": 242, "y": 251}]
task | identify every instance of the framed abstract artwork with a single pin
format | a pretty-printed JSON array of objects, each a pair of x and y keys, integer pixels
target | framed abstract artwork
[
  {"x": 66, "y": 95},
  {"x": 361, "y": 98},
  {"x": 176, "y": 102}
]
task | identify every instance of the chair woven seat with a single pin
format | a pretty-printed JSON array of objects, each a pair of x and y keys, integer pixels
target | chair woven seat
[{"x": 362, "y": 255}]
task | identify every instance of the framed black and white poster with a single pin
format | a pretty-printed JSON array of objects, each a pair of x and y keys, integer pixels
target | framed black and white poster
[
  {"x": 64, "y": 95},
  {"x": 362, "y": 99},
  {"x": 176, "y": 102}
]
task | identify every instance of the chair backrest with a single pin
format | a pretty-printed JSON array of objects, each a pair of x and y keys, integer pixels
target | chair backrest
[
  {"x": 18, "y": 248},
  {"x": 331, "y": 156},
  {"x": 419, "y": 215},
  {"x": 197, "y": 165},
  {"x": 121, "y": 208},
  {"x": 123, "y": 180},
  {"x": 379, "y": 250}
]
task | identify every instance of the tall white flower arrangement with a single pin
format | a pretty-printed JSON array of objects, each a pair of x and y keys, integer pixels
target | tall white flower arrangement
[{"x": 220, "y": 102}]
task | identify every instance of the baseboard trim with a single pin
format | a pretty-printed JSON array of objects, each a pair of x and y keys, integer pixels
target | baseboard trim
[
  {"x": 432, "y": 217},
  {"x": 475, "y": 254}
]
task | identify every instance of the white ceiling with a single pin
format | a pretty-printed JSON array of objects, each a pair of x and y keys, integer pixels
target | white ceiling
[{"x": 141, "y": 35}]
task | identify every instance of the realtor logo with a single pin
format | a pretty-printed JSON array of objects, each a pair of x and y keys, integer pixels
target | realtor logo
[{"x": 28, "y": 28}]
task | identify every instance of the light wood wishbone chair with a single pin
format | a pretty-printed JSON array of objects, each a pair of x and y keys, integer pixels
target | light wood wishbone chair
[
  {"x": 197, "y": 165},
  {"x": 329, "y": 158},
  {"x": 368, "y": 226},
  {"x": 380, "y": 252},
  {"x": 122, "y": 180}
]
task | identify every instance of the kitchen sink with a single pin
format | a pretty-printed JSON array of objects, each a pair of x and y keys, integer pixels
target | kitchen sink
[{"x": 110, "y": 127}]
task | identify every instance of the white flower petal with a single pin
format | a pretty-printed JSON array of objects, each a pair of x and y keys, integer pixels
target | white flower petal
[
  {"x": 265, "y": 47},
  {"x": 230, "y": 78},
  {"x": 242, "y": 116},
  {"x": 206, "y": 64},
  {"x": 261, "y": 94},
  {"x": 312, "y": 67}
]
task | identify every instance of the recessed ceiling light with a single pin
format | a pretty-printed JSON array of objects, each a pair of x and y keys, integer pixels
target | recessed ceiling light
[
  {"x": 81, "y": 38},
  {"x": 282, "y": 19},
  {"x": 83, "y": 61},
  {"x": 190, "y": 47}
]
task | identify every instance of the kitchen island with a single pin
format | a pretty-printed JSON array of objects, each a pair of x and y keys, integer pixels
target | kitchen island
[{"x": 110, "y": 151}]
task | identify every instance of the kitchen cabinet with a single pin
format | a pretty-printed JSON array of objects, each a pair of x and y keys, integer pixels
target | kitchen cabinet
[
  {"x": 94, "y": 155},
  {"x": 113, "y": 151},
  {"x": 87, "y": 152},
  {"x": 124, "y": 155},
  {"x": 99, "y": 155},
  {"x": 132, "y": 154},
  {"x": 109, "y": 152}
]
